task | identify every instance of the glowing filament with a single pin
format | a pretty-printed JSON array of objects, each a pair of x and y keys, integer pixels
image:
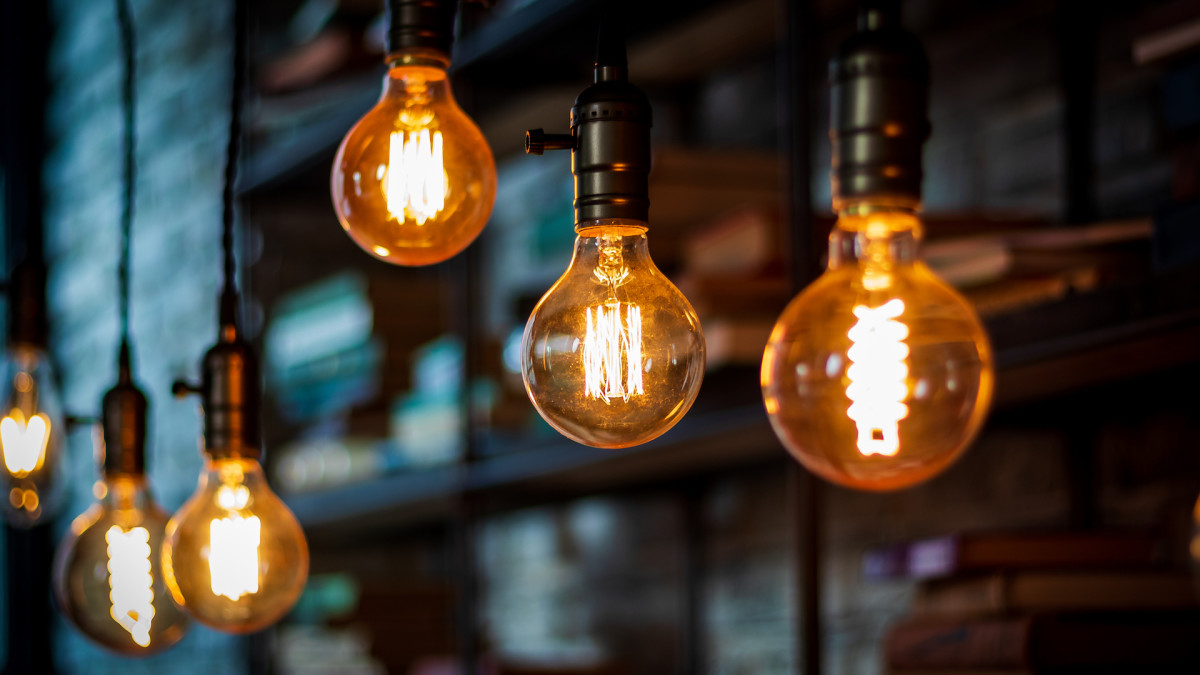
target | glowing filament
[
  {"x": 612, "y": 351},
  {"x": 130, "y": 584},
  {"x": 233, "y": 542},
  {"x": 878, "y": 375},
  {"x": 415, "y": 186},
  {"x": 24, "y": 443}
]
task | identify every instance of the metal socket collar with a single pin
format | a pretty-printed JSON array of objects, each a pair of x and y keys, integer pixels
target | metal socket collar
[
  {"x": 610, "y": 148},
  {"x": 420, "y": 24},
  {"x": 879, "y": 117}
]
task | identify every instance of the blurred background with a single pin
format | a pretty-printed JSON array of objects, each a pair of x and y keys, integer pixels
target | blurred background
[{"x": 444, "y": 517}]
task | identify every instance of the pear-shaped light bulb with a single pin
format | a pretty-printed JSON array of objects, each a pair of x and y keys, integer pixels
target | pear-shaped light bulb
[
  {"x": 107, "y": 576},
  {"x": 878, "y": 375},
  {"x": 235, "y": 557},
  {"x": 612, "y": 355},
  {"x": 414, "y": 181},
  {"x": 31, "y": 434}
]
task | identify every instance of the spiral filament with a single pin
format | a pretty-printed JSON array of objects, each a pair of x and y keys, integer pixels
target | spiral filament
[
  {"x": 24, "y": 442},
  {"x": 234, "y": 540},
  {"x": 878, "y": 374},
  {"x": 612, "y": 351},
  {"x": 129, "y": 581},
  {"x": 415, "y": 184}
]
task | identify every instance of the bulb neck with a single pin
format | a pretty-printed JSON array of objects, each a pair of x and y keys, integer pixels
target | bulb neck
[
  {"x": 418, "y": 57},
  {"x": 875, "y": 238}
]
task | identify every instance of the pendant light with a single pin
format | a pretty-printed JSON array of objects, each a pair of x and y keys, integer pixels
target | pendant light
[
  {"x": 613, "y": 354},
  {"x": 414, "y": 181},
  {"x": 107, "y": 576},
  {"x": 878, "y": 375},
  {"x": 32, "y": 429},
  {"x": 235, "y": 557}
]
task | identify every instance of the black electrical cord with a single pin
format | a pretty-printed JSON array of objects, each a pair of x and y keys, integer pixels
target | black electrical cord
[
  {"x": 128, "y": 100},
  {"x": 229, "y": 294}
]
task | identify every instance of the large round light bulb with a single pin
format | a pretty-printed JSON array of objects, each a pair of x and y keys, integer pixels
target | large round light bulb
[
  {"x": 31, "y": 433},
  {"x": 414, "y": 181},
  {"x": 235, "y": 558},
  {"x": 107, "y": 575},
  {"x": 612, "y": 355},
  {"x": 878, "y": 375}
]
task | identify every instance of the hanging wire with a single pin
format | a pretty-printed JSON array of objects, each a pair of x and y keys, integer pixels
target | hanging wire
[
  {"x": 229, "y": 298},
  {"x": 129, "y": 51}
]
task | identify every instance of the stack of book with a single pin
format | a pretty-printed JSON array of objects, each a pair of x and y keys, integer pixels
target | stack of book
[{"x": 1044, "y": 603}]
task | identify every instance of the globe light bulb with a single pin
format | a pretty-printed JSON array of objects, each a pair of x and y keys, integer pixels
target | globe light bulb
[
  {"x": 31, "y": 431},
  {"x": 235, "y": 557},
  {"x": 107, "y": 577},
  {"x": 414, "y": 181},
  {"x": 612, "y": 355},
  {"x": 878, "y": 375}
]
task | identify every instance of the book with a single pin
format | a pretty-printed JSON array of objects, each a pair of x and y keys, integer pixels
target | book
[
  {"x": 1038, "y": 591},
  {"x": 1143, "y": 642},
  {"x": 982, "y": 552}
]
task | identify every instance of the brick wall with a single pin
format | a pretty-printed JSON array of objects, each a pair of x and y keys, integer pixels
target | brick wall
[{"x": 182, "y": 117}]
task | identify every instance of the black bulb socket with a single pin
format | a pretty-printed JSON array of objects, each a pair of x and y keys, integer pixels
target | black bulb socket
[
  {"x": 420, "y": 24},
  {"x": 879, "y": 117},
  {"x": 124, "y": 423}
]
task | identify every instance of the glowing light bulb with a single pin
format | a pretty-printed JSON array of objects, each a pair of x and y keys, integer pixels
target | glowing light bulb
[
  {"x": 107, "y": 577},
  {"x": 612, "y": 355},
  {"x": 414, "y": 181},
  {"x": 235, "y": 558},
  {"x": 30, "y": 437},
  {"x": 878, "y": 375}
]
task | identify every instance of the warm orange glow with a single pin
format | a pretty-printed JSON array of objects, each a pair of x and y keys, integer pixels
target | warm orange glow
[
  {"x": 414, "y": 181},
  {"x": 880, "y": 332},
  {"x": 613, "y": 355},
  {"x": 235, "y": 558}
]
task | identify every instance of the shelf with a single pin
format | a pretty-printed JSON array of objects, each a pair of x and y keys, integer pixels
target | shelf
[{"x": 1126, "y": 332}]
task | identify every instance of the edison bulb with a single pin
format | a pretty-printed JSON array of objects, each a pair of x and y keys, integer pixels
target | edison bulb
[
  {"x": 107, "y": 575},
  {"x": 235, "y": 558},
  {"x": 878, "y": 375},
  {"x": 31, "y": 431},
  {"x": 612, "y": 355},
  {"x": 414, "y": 181}
]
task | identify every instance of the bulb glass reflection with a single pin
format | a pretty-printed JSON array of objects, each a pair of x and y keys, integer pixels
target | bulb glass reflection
[
  {"x": 31, "y": 431},
  {"x": 414, "y": 181},
  {"x": 107, "y": 577},
  {"x": 235, "y": 557},
  {"x": 612, "y": 355},
  {"x": 878, "y": 375}
]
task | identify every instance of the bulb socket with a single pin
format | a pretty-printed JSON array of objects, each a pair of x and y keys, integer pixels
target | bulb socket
[
  {"x": 124, "y": 422},
  {"x": 610, "y": 123},
  {"x": 879, "y": 117},
  {"x": 230, "y": 391},
  {"x": 27, "y": 304},
  {"x": 420, "y": 24}
]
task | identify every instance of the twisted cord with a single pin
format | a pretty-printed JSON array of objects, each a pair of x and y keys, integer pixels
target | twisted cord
[
  {"x": 231, "y": 153},
  {"x": 128, "y": 100}
]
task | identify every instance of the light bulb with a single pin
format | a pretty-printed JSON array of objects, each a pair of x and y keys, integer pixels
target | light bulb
[
  {"x": 107, "y": 576},
  {"x": 31, "y": 431},
  {"x": 878, "y": 375},
  {"x": 414, "y": 181},
  {"x": 235, "y": 558},
  {"x": 612, "y": 355}
]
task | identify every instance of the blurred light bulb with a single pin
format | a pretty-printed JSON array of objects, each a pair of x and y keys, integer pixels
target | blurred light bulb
[
  {"x": 878, "y": 375},
  {"x": 612, "y": 355},
  {"x": 414, "y": 181},
  {"x": 30, "y": 437},
  {"x": 107, "y": 578},
  {"x": 235, "y": 558}
]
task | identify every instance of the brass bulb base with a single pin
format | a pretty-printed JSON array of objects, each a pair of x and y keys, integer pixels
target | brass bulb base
[
  {"x": 879, "y": 118},
  {"x": 124, "y": 421}
]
